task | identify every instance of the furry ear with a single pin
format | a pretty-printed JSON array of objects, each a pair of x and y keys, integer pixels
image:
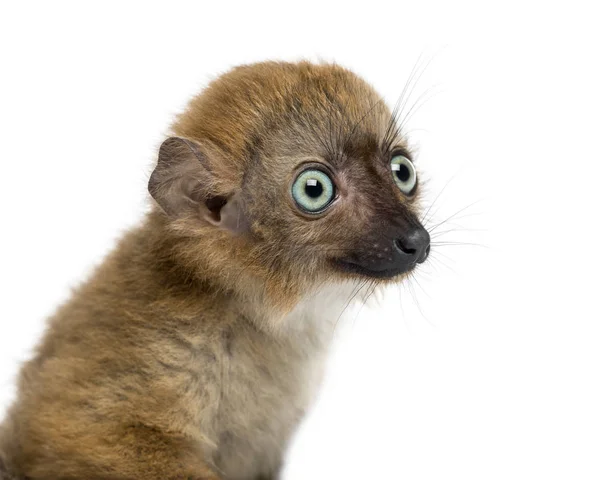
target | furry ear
[{"x": 182, "y": 184}]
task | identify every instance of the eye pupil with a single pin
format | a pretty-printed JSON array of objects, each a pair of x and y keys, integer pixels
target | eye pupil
[
  {"x": 403, "y": 173},
  {"x": 314, "y": 189}
]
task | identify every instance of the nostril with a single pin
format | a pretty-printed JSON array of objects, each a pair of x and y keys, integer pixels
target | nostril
[{"x": 403, "y": 248}]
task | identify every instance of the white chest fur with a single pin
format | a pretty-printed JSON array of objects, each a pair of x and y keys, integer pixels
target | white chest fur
[{"x": 269, "y": 382}]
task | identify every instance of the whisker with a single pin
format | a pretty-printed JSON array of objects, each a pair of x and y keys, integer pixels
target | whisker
[
  {"x": 421, "y": 101},
  {"x": 433, "y": 258},
  {"x": 355, "y": 291},
  {"x": 424, "y": 218},
  {"x": 414, "y": 81},
  {"x": 454, "y": 215},
  {"x": 462, "y": 244},
  {"x": 370, "y": 290},
  {"x": 457, "y": 229},
  {"x": 413, "y": 294},
  {"x": 392, "y": 131},
  {"x": 414, "y": 277}
]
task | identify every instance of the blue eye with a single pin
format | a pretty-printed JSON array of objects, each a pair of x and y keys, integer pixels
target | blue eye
[
  {"x": 404, "y": 174},
  {"x": 313, "y": 190}
]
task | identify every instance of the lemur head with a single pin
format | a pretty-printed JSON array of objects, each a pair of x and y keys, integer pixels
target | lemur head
[{"x": 282, "y": 176}]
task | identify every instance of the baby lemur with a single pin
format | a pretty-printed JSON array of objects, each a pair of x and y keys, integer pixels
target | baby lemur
[{"x": 195, "y": 348}]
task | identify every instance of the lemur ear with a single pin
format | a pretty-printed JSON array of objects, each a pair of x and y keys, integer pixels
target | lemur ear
[{"x": 183, "y": 184}]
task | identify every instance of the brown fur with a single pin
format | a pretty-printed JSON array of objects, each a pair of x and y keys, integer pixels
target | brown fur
[{"x": 190, "y": 352}]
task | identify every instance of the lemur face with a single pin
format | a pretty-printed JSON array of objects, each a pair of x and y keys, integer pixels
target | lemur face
[
  {"x": 333, "y": 184},
  {"x": 353, "y": 208},
  {"x": 298, "y": 173}
]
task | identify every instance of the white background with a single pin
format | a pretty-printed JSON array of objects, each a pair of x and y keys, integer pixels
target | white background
[{"x": 490, "y": 368}]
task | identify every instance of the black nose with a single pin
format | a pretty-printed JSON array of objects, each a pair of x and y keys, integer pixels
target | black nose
[{"x": 414, "y": 245}]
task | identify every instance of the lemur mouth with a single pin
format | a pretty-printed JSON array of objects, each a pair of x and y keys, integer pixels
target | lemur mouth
[{"x": 387, "y": 273}]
